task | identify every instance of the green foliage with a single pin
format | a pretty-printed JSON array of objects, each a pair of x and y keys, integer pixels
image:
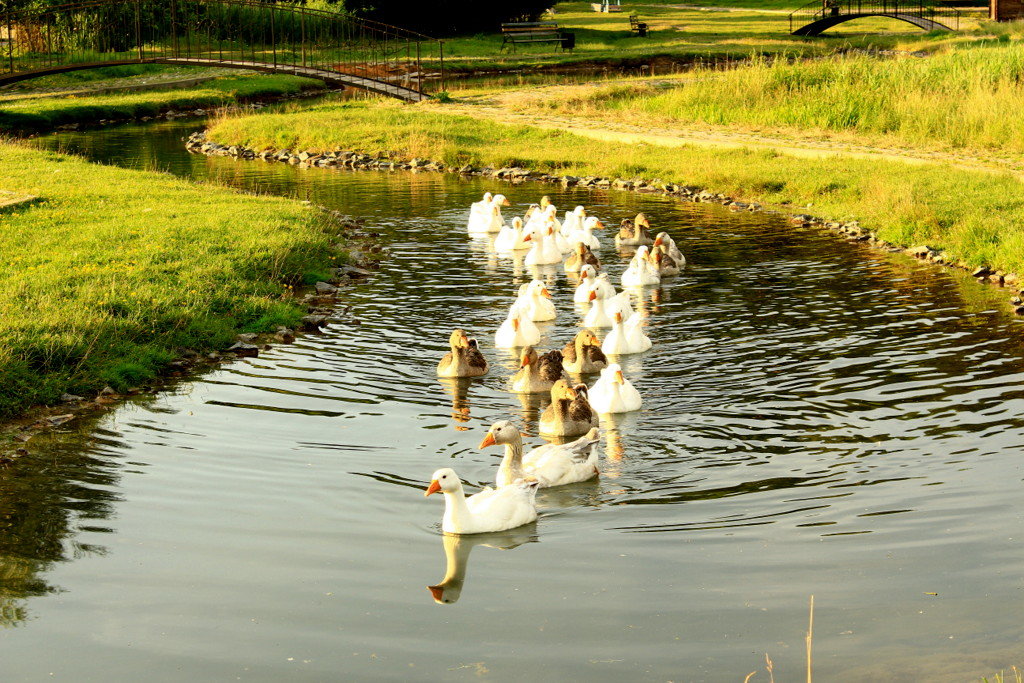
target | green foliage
[
  {"x": 448, "y": 17},
  {"x": 113, "y": 270}
]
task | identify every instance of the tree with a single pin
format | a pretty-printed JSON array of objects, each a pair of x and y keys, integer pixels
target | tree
[{"x": 448, "y": 17}]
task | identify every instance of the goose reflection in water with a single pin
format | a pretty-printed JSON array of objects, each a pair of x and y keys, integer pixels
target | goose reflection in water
[
  {"x": 458, "y": 389},
  {"x": 456, "y": 554},
  {"x": 546, "y": 273},
  {"x": 530, "y": 409},
  {"x": 483, "y": 245}
]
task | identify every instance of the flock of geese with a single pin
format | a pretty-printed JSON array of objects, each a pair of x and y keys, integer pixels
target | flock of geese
[{"x": 574, "y": 408}]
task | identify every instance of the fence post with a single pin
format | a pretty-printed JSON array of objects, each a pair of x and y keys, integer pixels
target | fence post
[
  {"x": 138, "y": 27},
  {"x": 419, "y": 70},
  {"x": 440, "y": 48},
  {"x": 174, "y": 26},
  {"x": 273, "y": 38},
  {"x": 10, "y": 40},
  {"x": 302, "y": 14}
]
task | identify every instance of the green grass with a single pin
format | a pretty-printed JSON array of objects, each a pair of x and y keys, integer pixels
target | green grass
[
  {"x": 112, "y": 270},
  {"x": 31, "y": 114},
  {"x": 978, "y": 217},
  {"x": 103, "y": 73},
  {"x": 964, "y": 98},
  {"x": 682, "y": 36}
]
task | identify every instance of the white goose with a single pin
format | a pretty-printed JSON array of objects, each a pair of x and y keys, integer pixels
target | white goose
[
  {"x": 573, "y": 220},
  {"x": 641, "y": 271},
  {"x": 490, "y": 510},
  {"x": 516, "y": 330},
  {"x": 626, "y": 337},
  {"x": 512, "y": 237},
  {"x": 486, "y": 218},
  {"x": 613, "y": 393},
  {"x": 550, "y": 464},
  {"x": 534, "y": 301},
  {"x": 592, "y": 282},
  {"x": 585, "y": 233},
  {"x": 480, "y": 210},
  {"x": 544, "y": 250},
  {"x": 602, "y": 311},
  {"x": 541, "y": 212}
]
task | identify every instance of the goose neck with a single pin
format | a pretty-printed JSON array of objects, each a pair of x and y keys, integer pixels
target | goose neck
[{"x": 512, "y": 463}]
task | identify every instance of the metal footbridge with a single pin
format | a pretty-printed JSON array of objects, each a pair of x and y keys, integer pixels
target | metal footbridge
[{"x": 334, "y": 47}]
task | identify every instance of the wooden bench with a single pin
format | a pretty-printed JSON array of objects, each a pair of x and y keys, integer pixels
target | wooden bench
[
  {"x": 636, "y": 26},
  {"x": 531, "y": 32}
]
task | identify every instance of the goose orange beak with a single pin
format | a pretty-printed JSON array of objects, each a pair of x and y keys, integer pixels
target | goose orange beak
[
  {"x": 434, "y": 487},
  {"x": 599, "y": 224},
  {"x": 528, "y": 238},
  {"x": 545, "y": 292},
  {"x": 657, "y": 242},
  {"x": 618, "y": 378},
  {"x": 506, "y": 202},
  {"x": 524, "y": 362},
  {"x": 488, "y": 441},
  {"x": 515, "y": 324},
  {"x": 437, "y": 592}
]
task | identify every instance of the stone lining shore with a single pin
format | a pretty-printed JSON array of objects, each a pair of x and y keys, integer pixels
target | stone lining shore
[{"x": 197, "y": 143}]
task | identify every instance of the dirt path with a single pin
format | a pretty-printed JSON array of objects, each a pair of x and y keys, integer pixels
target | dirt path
[{"x": 521, "y": 107}]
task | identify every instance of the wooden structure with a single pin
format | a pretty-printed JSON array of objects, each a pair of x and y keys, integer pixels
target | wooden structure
[
  {"x": 1006, "y": 10},
  {"x": 527, "y": 32},
  {"x": 636, "y": 26}
]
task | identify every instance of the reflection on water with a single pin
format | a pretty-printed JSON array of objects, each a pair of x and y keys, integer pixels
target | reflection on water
[
  {"x": 818, "y": 418},
  {"x": 457, "y": 548}
]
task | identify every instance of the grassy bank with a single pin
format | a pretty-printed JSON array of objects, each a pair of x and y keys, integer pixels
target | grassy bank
[
  {"x": 965, "y": 98},
  {"x": 687, "y": 36},
  {"x": 31, "y": 114},
  {"x": 112, "y": 271},
  {"x": 979, "y": 217}
]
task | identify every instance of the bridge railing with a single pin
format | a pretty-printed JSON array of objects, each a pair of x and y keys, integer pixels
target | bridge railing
[
  {"x": 925, "y": 9},
  {"x": 285, "y": 38}
]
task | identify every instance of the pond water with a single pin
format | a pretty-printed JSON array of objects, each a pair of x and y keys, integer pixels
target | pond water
[{"x": 819, "y": 419}]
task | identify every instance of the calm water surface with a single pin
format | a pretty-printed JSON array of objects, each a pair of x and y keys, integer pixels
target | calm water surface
[{"x": 818, "y": 419}]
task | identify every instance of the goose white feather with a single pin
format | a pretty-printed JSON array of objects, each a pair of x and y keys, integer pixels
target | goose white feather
[
  {"x": 585, "y": 233},
  {"x": 641, "y": 271},
  {"x": 626, "y": 337},
  {"x": 613, "y": 393},
  {"x": 490, "y": 510},
  {"x": 592, "y": 282},
  {"x": 550, "y": 464},
  {"x": 485, "y": 215},
  {"x": 602, "y": 311},
  {"x": 544, "y": 250},
  {"x": 512, "y": 237},
  {"x": 516, "y": 330},
  {"x": 534, "y": 301}
]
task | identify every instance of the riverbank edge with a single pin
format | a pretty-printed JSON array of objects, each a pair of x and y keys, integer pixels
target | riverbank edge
[
  {"x": 186, "y": 103},
  {"x": 355, "y": 254},
  {"x": 852, "y": 231},
  {"x": 319, "y": 302},
  {"x": 321, "y": 307}
]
